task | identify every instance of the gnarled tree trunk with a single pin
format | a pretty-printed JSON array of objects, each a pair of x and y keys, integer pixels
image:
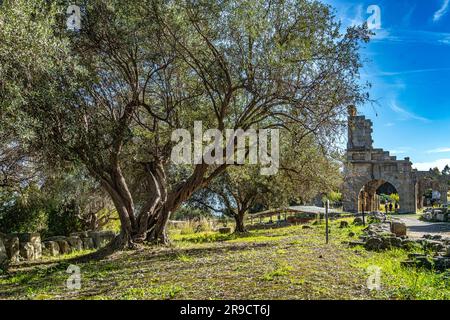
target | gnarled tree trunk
[{"x": 239, "y": 219}]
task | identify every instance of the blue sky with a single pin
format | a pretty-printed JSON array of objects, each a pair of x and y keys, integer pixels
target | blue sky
[{"x": 408, "y": 64}]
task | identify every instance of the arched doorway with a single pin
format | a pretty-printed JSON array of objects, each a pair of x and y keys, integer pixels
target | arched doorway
[{"x": 376, "y": 193}]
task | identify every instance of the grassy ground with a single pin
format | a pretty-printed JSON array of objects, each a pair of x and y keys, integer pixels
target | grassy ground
[{"x": 285, "y": 263}]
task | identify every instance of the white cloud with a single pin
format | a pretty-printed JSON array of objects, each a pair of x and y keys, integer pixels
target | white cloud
[
  {"x": 425, "y": 166},
  {"x": 382, "y": 34},
  {"x": 439, "y": 150},
  {"x": 406, "y": 115},
  {"x": 399, "y": 73},
  {"x": 390, "y": 124},
  {"x": 442, "y": 11}
]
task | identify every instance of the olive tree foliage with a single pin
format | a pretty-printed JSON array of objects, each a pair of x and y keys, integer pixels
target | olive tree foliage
[
  {"x": 306, "y": 170},
  {"x": 108, "y": 96}
]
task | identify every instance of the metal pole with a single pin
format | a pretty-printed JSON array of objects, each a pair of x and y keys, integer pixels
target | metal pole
[
  {"x": 327, "y": 206},
  {"x": 363, "y": 209}
]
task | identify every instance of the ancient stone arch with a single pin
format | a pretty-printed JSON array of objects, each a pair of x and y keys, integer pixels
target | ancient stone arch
[{"x": 367, "y": 168}]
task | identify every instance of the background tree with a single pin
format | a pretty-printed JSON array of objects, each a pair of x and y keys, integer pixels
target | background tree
[
  {"x": 108, "y": 96},
  {"x": 305, "y": 172}
]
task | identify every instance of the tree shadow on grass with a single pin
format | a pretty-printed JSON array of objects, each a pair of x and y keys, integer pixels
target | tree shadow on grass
[{"x": 100, "y": 268}]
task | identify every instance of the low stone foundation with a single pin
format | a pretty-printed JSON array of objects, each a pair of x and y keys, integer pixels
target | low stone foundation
[{"x": 29, "y": 247}]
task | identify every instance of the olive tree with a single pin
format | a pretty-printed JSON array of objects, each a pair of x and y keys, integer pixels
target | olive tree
[{"x": 108, "y": 96}]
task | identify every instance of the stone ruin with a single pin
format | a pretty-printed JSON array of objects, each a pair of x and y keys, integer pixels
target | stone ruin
[
  {"x": 436, "y": 215},
  {"x": 368, "y": 168},
  {"x": 386, "y": 235},
  {"x": 29, "y": 247}
]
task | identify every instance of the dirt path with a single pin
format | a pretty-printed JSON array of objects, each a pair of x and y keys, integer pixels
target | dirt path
[{"x": 417, "y": 228}]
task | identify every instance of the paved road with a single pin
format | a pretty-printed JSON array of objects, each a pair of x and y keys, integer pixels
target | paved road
[
  {"x": 417, "y": 228},
  {"x": 311, "y": 209}
]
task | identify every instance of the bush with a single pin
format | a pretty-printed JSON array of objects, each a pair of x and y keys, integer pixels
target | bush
[
  {"x": 24, "y": 211},
  {"x": 63, "y": 219}
]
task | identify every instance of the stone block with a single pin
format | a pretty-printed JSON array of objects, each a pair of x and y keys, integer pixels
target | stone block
[
  {"x": 374, "y": 244},
  {"x": 447, "y": 251},
  {"x": 35, "y": 240},
  {"x": 51, "y": 248},
  {"x": 409, "y": 244},
  {"x": 27, "y": 237},
  {"x": 398, "y": 228},
  {"x": 3, "y": 255},
  {"x": 27, "y": 251},
  {"x": 75, "y": 242},
  {"x": 433, "y": 245},
  {"x": 441, "y": 263},
  {"x": 82, "y": 234},
  {"x": 11, "y": 244},
  {"x": 101, "y": 238},
  {"x": 56, "y": 238},
  {"x": 64, "y": 247},
  {"x": 396, "y": 242},
  {"x": 88, "y": 243}
]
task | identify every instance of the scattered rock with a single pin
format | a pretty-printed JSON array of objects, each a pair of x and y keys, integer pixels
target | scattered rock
[
  {"x": 396, "y": 242},
  {"x": 358, "y": 221},
  {"x": 409, "y": 244},
  {"x": 441, "y": 263},
  {"x": 373, "y": 244},
  {"x": 356, "y": 243},
  {"x": 433, "y": 245},
  {"x": 447, "y": 252},
  {"x": 305, "y": 226},
  {"x": 343, "y": 224}
]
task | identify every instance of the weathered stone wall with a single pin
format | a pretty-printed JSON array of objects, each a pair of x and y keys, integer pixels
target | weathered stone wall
[
  {"x": 367, "y": 168},
  {"x": 29, "y": 247}
]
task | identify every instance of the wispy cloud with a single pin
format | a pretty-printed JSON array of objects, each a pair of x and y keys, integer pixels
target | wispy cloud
[
  {"x": 415, "y": 36},
  {"x": 390, "y": 124},
  {"x": 405, "y": 72},
  {"x": 400, "y": 150},
  {"x": 406, "y": 115},
  {"x": 425, "y": 166},
  {"x": 442, "y": 11},
  {"x": 439, "y": 150}
]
